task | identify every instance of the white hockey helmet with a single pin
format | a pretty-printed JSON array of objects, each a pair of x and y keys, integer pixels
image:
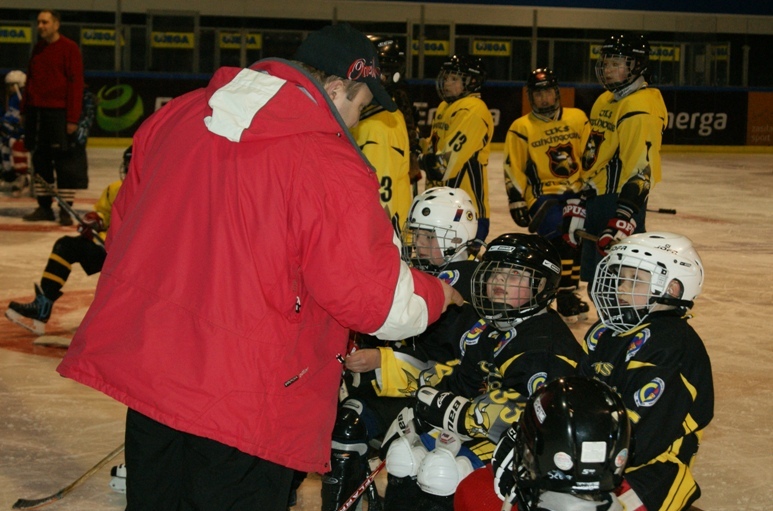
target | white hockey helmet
[
  {"x": 16, "y": 77},
  {"x": 444, "y": 214},
  {"x": 666, "y": 262}
]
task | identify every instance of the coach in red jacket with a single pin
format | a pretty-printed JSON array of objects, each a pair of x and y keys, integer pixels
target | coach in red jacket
[{"x": 246, "y": 241}]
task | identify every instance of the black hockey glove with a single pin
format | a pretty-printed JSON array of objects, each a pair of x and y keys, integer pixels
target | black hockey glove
[
  {"x": 433, "y": 165},
  {"x": 520, "y": 214},
  {"x": 502, "y": 464},
  {"x": 441, "y": 409}
]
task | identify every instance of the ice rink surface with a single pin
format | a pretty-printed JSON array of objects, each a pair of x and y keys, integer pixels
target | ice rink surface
[{"x": 52, "y": 430}]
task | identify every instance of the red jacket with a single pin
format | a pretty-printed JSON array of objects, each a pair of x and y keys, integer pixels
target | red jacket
[
  {"x": 55, "y": 77},
  {"x": 235, "y": 265}
]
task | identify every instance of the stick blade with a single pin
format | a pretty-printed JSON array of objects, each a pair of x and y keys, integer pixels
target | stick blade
[{"x": 36, "y": 503}]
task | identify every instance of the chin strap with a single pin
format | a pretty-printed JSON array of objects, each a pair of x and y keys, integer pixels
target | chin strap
[{"x": 675, "y": 302}]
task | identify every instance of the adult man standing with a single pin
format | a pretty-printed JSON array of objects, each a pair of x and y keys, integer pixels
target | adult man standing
[
  {"x": 51, "y": 109},
  {"x": 226, "y": 348}
]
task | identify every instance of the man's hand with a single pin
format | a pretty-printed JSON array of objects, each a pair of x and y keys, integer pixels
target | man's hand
[
  {"x": 433, "y": 165},
  {"x": 364, "y": 360},
  {"x": 620, "y": 226},
  {"x": 72, "y": 127},
  {"x": 452, "y": 296}
]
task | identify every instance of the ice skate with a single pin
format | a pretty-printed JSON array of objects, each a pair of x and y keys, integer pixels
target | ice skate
[
  {"x": 20, "y": 186},
  {"x": 118, "y": 478},
  {"x": 33, "y": 315},
  {"x": 40, "y": 215}
]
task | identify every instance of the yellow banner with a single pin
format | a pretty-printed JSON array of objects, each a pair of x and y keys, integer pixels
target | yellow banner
[
  {"x": 98, "y": 37},
  {"x": 491, "y": 48},
  {"x": 720, "y": 51},
  {"x": 233, "y": 41},
  {"x": 438, "y": 48},
  {"x": 171, "y": 40},
  {"x": 662, "y": 53},
  {"x": 9, "y": 34}
]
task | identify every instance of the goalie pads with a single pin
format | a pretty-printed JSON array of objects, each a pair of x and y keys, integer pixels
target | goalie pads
[
  {"x": 405, "y": 456},
  {"x": 442, "y": 470}
]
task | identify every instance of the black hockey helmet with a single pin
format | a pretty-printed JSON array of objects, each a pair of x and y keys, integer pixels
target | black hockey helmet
[
  {"x": 636, "y": 51},
  {"x": 391, "y": 57},
  {"x": 127, "y": 158},
  {"x": 471, "y": 69},
  {"x": 540, "y": 79},
  {"x": 572, "y": 437},
  {"x": 528, "y": 269}
]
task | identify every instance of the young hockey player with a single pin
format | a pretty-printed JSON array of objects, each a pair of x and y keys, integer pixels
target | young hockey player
[
  {"x": 542, "y": 169},
  {"x": 457, "y": 152},
  {"x": 621, "y": 159},
  {"x": 14, "y": 173},
  {"x": 645, "y": 349},
  {"x": 517, "y": 345},
  {"x": 566, "y": 453},
  {"x": 383, "y": 138},
  {"x": 382, "y": 377},
  {"x": 67, "y": 251}
]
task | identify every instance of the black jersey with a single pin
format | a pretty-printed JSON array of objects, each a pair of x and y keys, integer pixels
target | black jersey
[{"x": 663, "y": 373}]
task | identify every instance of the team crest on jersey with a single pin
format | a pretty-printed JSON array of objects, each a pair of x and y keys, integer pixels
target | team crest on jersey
[
  {"x": 561, "y": 162},
  {"x": 592, "y": 339},
  {"x": 649, "y": 394},
  {"x": 504, "y": 338},
  {"x": 536, "y": 381},
  {"x": 592, "y": 149},
  {"x": 636, "y": 343},
  {"x": 472, "y": 336},
  {"x": 450, "y": 277}
]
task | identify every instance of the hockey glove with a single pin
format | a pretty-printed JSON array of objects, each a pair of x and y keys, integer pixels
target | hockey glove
[
  {"x": 441, "y": 409},
  {"x": 574, "y": 220},
  {"x": 404, "y": 425},
  {"x": 92, "y": 223},
  {"x": 620, "y": 226},
  {"x": 433, "y": 165},
  {"x": 520, "y": 214},
  {"x": 502, "y": 464}
]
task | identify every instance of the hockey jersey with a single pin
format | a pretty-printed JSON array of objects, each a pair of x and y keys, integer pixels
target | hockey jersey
[
  {"x": 663, "y": 373},
  {"x": 383, "y": 138},
  {"x": 461, "y": 135},
  {"x": 543, "y": 157},
  {"x": 624, "y": 141}
]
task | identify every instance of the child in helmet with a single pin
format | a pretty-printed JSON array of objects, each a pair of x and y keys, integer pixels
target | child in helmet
[
  {"x": 14, "y": 173},
  {"x": 645, "y": 349},
  {"x": 68, "y": 250},
  {"x": 517, "y": 344},
  {"x": 457, "y": 152},
  {"x": 566, "y": 453}
]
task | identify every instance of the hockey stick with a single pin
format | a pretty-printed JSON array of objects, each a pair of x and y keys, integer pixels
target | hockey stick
[
  {"x": 36, "y": 503},
  {"x": 665, "y": 211},
  {"x": 66, "y": 206},
  {"x": 364, "y": 486},
  {"x": 586, "y": 236},
  {"x": 539, "y": 216}
]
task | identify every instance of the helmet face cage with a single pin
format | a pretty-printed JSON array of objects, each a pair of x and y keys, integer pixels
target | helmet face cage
[
  {"x": 635, "y": 276},
  {"x": 543, "y": 79},
  {"x": 441, "y": 223},
  {"x": 572, "y": 437},
  {"x": 517, "y": 277},
  {"x": 633, "y": 53},
  {"x": 469, "y": 69}
]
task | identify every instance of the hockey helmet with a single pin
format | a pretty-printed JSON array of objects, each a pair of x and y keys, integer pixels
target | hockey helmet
[
  {"x": 517, "y": 277},
  {"x": 470, "y": 69},
  {"x": 543, "y": 79},
  {"x": 441, "y": 224},
  {"x": 642, "y": 271},
  {"x": 572, "y": 437},
  {"x": 635, "y": 50}
]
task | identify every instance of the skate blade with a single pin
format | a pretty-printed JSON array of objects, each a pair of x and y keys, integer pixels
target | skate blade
[
  {"x": 55, "y": 341},
  {"x": 33, "y": 325}
]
